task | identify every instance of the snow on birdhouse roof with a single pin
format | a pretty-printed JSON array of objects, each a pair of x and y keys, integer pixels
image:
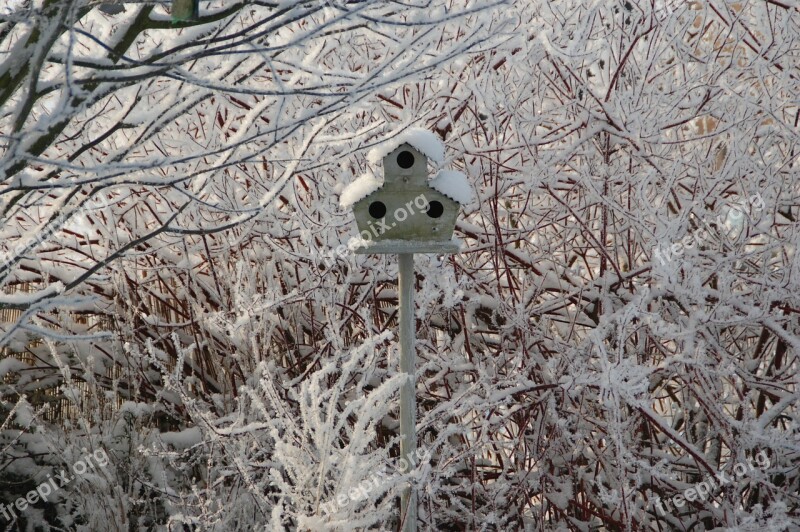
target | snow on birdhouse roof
[
  {"x": 452, "y": 184},
  {"x": 420, "y": 139},
  {"x": 358, "y": 190}
]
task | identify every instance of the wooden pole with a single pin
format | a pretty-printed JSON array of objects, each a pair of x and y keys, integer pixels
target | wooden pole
[{"x": 408, "y": 399}]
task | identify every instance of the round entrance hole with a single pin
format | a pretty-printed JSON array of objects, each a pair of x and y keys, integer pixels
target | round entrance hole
[
  {"x": 405, "y": 159},
  {"x": 435, "y": 209},
  {"x": 377, "y": 209}
]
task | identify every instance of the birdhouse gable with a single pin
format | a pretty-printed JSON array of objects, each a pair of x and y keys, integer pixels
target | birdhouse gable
[
  {"x": 421, "y": 140},
  {"x": 405, "y": 165}
]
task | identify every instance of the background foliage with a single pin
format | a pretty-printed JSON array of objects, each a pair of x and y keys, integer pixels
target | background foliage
[{"x": 168, "y": 199}]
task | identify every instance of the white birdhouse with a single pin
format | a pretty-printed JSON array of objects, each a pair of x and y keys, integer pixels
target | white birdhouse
[{"x": 407, "y": 212}]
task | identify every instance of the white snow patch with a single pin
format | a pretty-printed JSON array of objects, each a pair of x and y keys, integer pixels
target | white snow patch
[
  {"x": 136, "y": 409},
  {"x": 183, "y": 439},
  {"x": 29, "y": 298},
  {"x": 454, "y": 185},
  {"x": 11, "y": 365},
  {"x": 359, "y": 189},
  {"x": 24, "y": 415},
  {"x": 12, "y": 5},
  {"x": 71, "y": 393},
  {"x": 420, "y": 139}
]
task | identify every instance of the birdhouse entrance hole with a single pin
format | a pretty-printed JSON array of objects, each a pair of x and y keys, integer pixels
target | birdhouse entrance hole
[
  {"x": 405, "y": 159},
  {"x": 435, "y": 209},
  {"x": 377, "y": 209}
]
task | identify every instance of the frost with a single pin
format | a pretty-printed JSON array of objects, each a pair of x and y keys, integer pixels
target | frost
[
  {"x": 358, "y": 190},
  {"x": 421, "y": 140},
  {"x": 586, "y": 348},
  {"x": 454, "y": 185}
]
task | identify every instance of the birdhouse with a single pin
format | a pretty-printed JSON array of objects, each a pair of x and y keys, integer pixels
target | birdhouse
[{"x": 407, "y": 212}]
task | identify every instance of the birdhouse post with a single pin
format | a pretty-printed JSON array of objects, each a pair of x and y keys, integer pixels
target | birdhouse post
[{"x": 407, "y": 213}]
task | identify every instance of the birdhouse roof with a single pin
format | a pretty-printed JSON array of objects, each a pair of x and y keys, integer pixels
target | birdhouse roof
[
  {"x": 421, "y": 140},
  {"x": 358, "y": 190},
  {"x": 452, "y": 184}
]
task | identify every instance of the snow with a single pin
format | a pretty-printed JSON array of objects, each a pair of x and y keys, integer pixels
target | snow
[
  {"x": 454, "y": 185},
  {"x": 420, "y": 139},
  {"x": 29, "y": 298},
  {"x": 358, "y": 190},
  {"x": 24, "y": 414},
  {"x": 10, "y": 365},
  {"x": 136, "y": 409},
  {"x": 183, "y": 439}
]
